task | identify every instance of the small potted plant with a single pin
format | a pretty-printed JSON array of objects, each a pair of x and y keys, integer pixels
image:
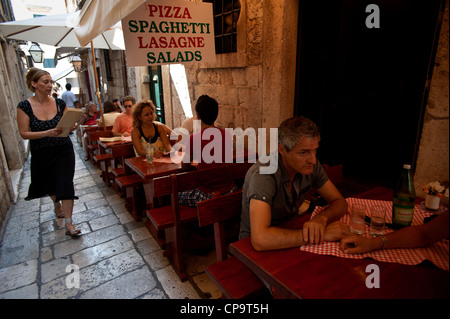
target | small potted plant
[{"x": 434, "y": 192}]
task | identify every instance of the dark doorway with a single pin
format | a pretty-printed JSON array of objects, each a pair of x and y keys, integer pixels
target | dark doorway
[
  {"x": 365, "y": 86},
  {"x": 156, "y": 92}
]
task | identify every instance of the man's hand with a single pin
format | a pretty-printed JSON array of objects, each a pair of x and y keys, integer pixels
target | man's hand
[
  {"x": 314, "y": 230},
  {"x": 336, "y": 231}
]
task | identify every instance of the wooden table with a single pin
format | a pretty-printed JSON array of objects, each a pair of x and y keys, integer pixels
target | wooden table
[
  {"x": 105, "y": 147},
  {"x": 298, "y": 274},
  {"x": 160, "y": 167}
]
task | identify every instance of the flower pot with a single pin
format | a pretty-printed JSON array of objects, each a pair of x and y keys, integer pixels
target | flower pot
[{"x": 432, "y": 202}]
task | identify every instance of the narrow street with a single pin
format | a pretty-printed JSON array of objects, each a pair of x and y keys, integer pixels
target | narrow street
[{"x": 116, "y": 256}]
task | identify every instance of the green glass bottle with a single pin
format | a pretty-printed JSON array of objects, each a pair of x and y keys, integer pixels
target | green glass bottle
[{"x": 404, "y": 200}]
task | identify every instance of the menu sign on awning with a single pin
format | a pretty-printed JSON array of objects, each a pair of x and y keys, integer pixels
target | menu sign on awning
[{"x": 169, "y": 31}]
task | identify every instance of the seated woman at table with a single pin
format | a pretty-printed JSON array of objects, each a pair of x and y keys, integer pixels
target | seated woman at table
[
  {"x": 89, "y": 117},
  {"x": 408, "y": 237},
  {"x": 109, "y": 114},
  {"x": 207, "y": 110},
  {"x": 147, "y": 131}
]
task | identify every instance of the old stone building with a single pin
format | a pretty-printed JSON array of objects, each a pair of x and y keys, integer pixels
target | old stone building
[{"x": 13, "y": 152}]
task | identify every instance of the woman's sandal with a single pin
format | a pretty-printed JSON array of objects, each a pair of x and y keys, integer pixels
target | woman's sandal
[
  {"x": 74, "y": 232},
  {"x": 87, "y": 157},
  {"x": 58, "y": 210}
]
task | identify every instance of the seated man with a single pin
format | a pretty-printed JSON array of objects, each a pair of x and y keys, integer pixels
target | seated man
[
  {"x": 124, "y": 122},
  {"x": 269, "y": 200}
]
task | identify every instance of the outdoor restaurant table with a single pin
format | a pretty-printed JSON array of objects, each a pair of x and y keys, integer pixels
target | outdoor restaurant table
[
  {"x": 160, "y": 167},
  {"x": 294, "y": 273},
  {"x": 105, "y": 146}
]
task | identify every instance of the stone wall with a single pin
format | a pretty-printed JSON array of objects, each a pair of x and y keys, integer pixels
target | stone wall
[
  {"x": 254, "y": 86},
  {"x": 12, "y": 148},
  {"x": 433, "y": 157}
]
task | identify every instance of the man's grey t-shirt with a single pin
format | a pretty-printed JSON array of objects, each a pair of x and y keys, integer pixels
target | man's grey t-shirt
[{"x": 274, "y": 190}]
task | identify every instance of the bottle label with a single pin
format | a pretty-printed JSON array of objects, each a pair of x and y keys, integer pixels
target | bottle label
[{"x": 403, "y": 214}]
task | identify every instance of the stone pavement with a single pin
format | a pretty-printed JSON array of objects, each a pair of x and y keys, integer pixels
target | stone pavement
[{"x": 116, "y": 257}]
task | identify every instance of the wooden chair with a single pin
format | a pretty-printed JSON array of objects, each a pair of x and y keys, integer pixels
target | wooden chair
[
  {"x": 93, "y": 137},
  {"x": 130, "y": 185},
  {"x": 170, "y": 218},
  {"x": 235, "y": 280},
  {"x": 81, "y": 131},
  {"x": 115, "y": 157}
]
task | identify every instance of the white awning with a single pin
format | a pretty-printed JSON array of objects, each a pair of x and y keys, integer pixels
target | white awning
[
  {"x": 60, "y": 75},
  {"x": 98, "y": 16}
]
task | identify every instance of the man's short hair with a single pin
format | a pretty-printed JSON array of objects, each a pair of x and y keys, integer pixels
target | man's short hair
[
  {"x": 293, "y": 129},
  {"x": 68, "y": 86},
  {"x": 207, "y": 109},
  {"x": 129, "y": 98}
]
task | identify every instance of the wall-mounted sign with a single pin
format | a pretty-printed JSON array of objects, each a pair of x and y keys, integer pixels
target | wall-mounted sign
[{"x": 169, "y": 31}]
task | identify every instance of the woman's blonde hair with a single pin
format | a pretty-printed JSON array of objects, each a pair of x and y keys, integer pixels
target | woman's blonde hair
[
  {"x": 137, "y": 111},
  {"x": 33, "y": 75}
]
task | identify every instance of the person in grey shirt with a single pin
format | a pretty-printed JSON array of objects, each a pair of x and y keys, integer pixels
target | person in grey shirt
[{"x": 269, "y": 200}]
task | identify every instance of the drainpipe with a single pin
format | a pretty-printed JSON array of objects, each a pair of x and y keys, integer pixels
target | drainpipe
[{"x": 125, "y": 76}]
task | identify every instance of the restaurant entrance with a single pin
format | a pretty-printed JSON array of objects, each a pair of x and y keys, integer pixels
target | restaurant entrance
[{"x": 365, "y": 87}]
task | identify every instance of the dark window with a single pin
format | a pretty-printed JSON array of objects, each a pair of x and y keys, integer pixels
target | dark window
[
  {"x": 107, "y": 61},
  {"x": 226, "y": 15}
]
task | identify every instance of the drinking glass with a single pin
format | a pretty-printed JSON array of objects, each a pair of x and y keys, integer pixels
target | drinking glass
[
  {"x": 149, "y": 151},
  {"x": 377, "y": 220},
  {"x": 357, "y": 219}
]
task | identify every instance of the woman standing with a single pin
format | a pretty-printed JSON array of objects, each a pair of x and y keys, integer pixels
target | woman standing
[{"x": 52, "y": 158}]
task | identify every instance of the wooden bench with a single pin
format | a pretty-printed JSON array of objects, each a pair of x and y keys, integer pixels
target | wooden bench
[
  {"x": 130, "y": 184},
  {"x": 93, "y": 137},
  {"x": 170, "y": 218},
  {"x": 235, "y": 280},
  {"x": 116, "y": 156},
  {"x": 118, "y": 171}
]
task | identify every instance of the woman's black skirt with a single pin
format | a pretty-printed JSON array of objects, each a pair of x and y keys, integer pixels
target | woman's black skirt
[{"x": 52, "y": 172}]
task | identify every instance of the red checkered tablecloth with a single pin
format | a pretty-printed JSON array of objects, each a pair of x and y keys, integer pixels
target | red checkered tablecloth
[{"x": 437, "y": 253}]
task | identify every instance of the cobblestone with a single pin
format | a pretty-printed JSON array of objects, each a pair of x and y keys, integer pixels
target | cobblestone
[{"x": 115, "y": 258}]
